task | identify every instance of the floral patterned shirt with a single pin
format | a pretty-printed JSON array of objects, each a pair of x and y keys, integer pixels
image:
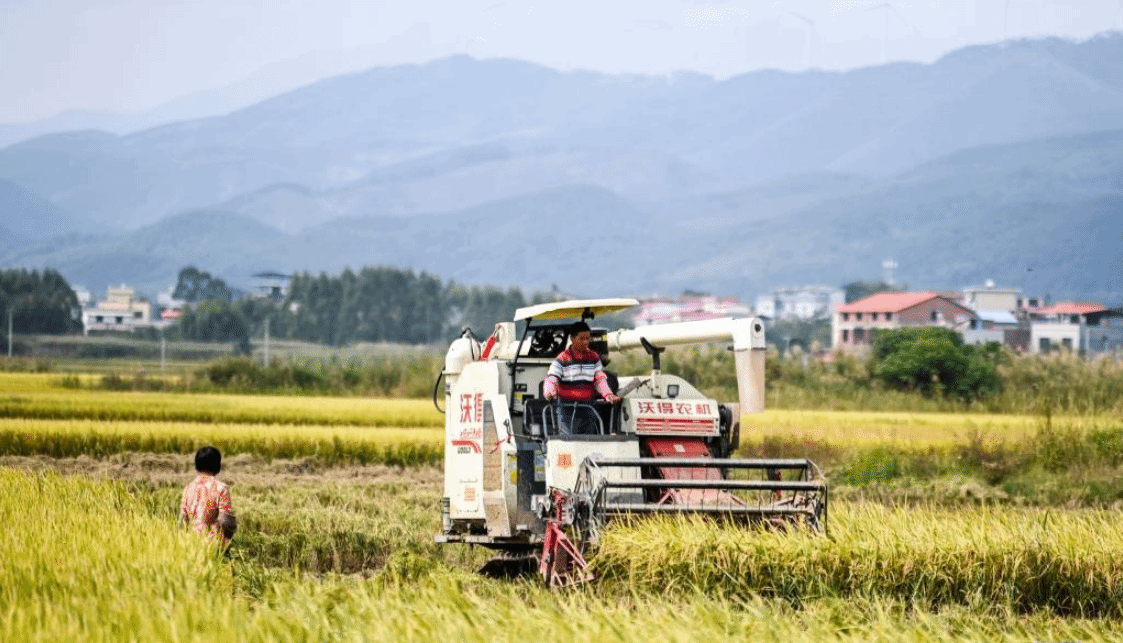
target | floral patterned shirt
[{"x": 203, "y": 499}]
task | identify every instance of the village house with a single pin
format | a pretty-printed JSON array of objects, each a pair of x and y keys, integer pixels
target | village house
[
  {"x": 997, "y": 316},
  {"x": 1002, "y": 326},
  {"x": 990, "y": 297},
  {"x": 1076, "y": 326},
  {"x": 802, "y": 302},
  {"x": 121, "y": 310},
  {"x": 853, "y": 324},
  {"x": 665, "y": 310}
]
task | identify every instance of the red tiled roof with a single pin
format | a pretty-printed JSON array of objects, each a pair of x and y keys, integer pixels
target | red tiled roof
[
  {"x": 887, "y": 302},
  {"x": 1071, "y": 308}
]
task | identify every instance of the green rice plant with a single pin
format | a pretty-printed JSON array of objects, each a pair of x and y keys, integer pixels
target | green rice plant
[
  {"x": 327, "y": 444},
  {"x": 1018, "y": 560},
  {"x": 1071, "y": 461}
]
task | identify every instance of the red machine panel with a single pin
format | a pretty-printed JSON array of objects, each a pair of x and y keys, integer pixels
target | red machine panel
[
  {"x": 675, "y": 417},
  {"x": 688, "y": 448}
]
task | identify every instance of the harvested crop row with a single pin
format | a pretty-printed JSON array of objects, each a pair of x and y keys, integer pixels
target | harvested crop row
[
  {"x": 245, "y": 409},
  {"x": 328, "y": 444},
  {"x": 1022, "y": 560}
]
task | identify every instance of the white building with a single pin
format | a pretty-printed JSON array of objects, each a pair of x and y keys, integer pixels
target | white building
[
  {"x": 1075, "y": 326},
  {"x": 990, "y": 297},
  {"x": 994, "y": 326},
  {"x": 803, "y": 302},
  {"x": 121, "y": 309},
  {"x": 666, "y": 310},
  {"x": 83, "y": 295}
]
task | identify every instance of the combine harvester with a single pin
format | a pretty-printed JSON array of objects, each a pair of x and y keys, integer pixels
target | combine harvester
[{"x": 541, "y": 499}]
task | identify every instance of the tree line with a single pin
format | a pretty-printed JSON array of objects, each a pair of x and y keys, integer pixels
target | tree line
[
  {"x": 373, "y": 304},
  {"x": 37, "y": 302}
]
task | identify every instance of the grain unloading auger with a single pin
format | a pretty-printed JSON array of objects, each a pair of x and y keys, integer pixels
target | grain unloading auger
[{"x": 540, "y": 498}]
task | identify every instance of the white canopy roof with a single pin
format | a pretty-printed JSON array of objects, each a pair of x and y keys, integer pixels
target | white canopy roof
[{"x": 574, "y": 308}]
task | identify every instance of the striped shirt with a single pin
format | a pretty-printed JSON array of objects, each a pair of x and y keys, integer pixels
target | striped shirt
[{"x": 573, "y": 377}]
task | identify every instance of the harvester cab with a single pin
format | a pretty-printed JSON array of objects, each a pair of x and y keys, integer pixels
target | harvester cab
[{"x": 517, "y": 482}]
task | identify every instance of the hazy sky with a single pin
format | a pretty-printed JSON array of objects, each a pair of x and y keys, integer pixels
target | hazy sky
[{"x": 131, "y": 55}]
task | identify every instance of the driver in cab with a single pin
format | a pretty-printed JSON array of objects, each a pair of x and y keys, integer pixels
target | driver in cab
[{"x": 572, "y": 379}]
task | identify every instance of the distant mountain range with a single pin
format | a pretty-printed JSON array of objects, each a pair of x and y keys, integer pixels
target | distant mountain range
[
  {"x": 264, "y": 83},
  {"x": 1001, "y": 162}
]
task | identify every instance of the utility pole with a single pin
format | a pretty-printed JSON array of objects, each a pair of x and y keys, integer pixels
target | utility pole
[
  {"x": 163, "y": 351},
  {"x": 11, "y": 314},
  {"x": 266, "y": 355}
]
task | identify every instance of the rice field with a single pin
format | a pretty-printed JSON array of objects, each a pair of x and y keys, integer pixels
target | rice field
[
  {"x": 44, "y": 397},
  {"x": 1010, "y": 559},
  {"x": 329, "y": 444},
  {"x": 858, "y": 428},
  {"x": 99, "y": 562},
  {"x": 337, "y": 517}
]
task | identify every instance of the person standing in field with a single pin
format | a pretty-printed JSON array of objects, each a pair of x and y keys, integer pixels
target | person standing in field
[{"x": 206, "y": 505}]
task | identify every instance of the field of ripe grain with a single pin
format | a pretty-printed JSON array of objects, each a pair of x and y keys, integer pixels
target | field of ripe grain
[
  {"x": 100, "y": 562},
  {"x": 337, "y": 519},
  {"x": 43, "y": 397},
  {"x": 856, "y": 428},
  {"x": 329, "y": 444},
  {"x": 1012, "y": 559}
]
